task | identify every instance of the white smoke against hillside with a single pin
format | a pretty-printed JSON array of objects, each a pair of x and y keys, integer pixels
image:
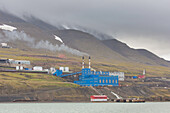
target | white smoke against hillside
[
  {"x": 16, "y": 35},
  {"x": 46, "y": 44},
  {"x": 8, "y": 36}
]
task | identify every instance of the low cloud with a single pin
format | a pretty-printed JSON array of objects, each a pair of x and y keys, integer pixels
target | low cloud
[{"x": 119, "y": 18}]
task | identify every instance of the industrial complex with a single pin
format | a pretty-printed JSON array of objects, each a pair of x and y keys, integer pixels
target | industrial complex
[{"x": 87, "y": 77}]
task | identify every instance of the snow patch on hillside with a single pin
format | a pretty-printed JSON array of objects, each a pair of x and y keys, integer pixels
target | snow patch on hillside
[
  {"x": 65, "y": 27},
  {"x": 7, "y": 27},
  {"x": 58, "y": 38}
]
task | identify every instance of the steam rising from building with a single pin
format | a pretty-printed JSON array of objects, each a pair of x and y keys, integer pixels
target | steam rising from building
[
  {"x": 8, "y": 36},
  {"x": 47, "y": 45}
]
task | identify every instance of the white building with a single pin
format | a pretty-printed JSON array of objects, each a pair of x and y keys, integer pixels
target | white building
[
  {"x": 61, "y": 68},
  {"x": 64, "y": 69},
  {"x": 37, "y": 68},
  {"x": 4, "y": 45},
  {"x": 20, "y": 62},
  {"x": 52, "y": 70},
  {"x": 19, "y": 67},
  {"x": 119, "y": 74}
]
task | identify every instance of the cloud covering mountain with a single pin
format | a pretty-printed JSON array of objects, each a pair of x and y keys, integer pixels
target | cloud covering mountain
[{"x": 141, "y": 23}]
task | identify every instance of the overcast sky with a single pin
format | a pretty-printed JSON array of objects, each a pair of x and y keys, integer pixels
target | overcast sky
[{"x": 139, "y": 23}]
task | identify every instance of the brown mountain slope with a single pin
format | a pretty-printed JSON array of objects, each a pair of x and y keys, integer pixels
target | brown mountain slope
[
  {"x": 89, "y": 44},
  {"x": 135, "y": 55},
  {"x": 110, "y": 50}
]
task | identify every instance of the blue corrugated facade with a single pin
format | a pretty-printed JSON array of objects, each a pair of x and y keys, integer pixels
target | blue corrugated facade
[
  {"x": 92, "y": 78},
  {"x": 96, "y": 78},
  {"x": 58, "y": 72}
]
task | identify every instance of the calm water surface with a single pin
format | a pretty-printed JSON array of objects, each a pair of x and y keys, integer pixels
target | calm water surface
[{"x": 158, "y": 107}]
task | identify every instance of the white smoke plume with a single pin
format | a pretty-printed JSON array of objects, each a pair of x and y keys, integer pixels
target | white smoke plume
[
  {"x": 8, "y": 36},
  {"x": 16, "y": 35},
  {"x": 46, "y": 44}
]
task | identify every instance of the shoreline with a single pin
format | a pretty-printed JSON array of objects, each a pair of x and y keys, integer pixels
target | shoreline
[{"x": 83, "y": 102}]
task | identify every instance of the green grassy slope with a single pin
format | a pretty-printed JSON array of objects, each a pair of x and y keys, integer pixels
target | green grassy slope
[
  {"x": 49, "y": 59},
  {"x": 44, "y": 87}
]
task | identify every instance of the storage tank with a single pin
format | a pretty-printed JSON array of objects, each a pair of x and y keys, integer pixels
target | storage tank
[
  {"x": 66, "y": 69},
  {"x": 17, "y": 67},
  {"x": 21, "y": 67},
  {"x": 61, "y": 68},
  {"x": 52, "y": 69}
]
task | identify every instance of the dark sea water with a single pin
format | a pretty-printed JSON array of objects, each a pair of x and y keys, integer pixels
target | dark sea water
[{"x": 149, "y": 107}]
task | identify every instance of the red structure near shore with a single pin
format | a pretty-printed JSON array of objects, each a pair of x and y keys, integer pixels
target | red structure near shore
[
  {"x": 98, "y": 98},
  {"x": 141, "y": 76}
]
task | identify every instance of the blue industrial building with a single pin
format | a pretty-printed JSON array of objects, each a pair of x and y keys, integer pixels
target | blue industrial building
[{"x": 91, "y": 78}]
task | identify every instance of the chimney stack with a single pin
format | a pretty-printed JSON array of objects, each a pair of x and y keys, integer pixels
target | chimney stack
[
  {"x": 89, "y": 62},
  {"x": 144, "y": 72},
  {"x": 83, "y": 62}
]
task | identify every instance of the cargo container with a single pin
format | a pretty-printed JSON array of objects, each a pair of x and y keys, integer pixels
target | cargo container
[
  {"x": 141, "y": 76},
  {"x": 28, "y": 69},
  {"x": 134, "y": 77}
]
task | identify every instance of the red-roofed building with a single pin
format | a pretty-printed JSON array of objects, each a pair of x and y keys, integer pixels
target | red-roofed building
[{"x": 141, "y": 76}]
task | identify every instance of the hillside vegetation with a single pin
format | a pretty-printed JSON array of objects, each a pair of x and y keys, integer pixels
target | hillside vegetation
[
  {"x": 49, "y": 59},
  {"x": 40, "y": 87}
]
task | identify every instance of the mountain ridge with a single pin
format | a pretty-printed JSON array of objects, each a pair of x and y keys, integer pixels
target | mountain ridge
[{"x": 110, "y": 50}]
